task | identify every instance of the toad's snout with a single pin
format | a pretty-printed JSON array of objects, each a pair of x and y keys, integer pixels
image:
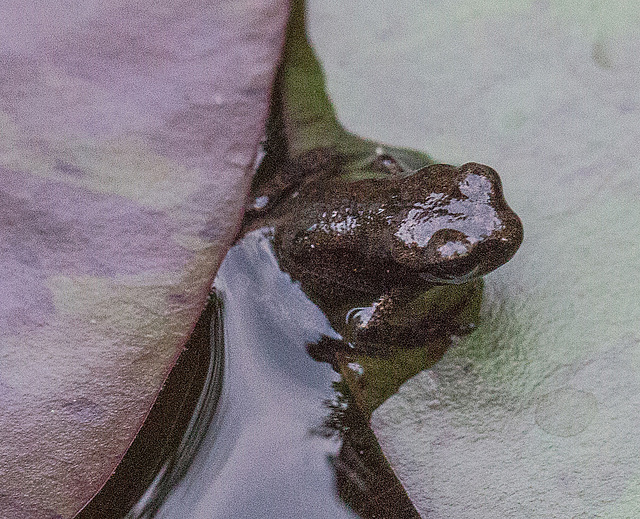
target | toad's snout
[{"x": 460, "y": 226}]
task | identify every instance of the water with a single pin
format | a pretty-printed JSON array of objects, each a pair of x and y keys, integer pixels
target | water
[
  {"x": 249, "y": 425},
  {"x": 262, "y": 455}
]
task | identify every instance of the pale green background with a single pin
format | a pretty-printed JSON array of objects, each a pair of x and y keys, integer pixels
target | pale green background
[{"x": 537, "y": 413}]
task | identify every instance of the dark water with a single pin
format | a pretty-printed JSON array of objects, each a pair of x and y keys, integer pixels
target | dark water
[
  {"x": 261, "y": 455},
  {"x": 247, "y": 425}
]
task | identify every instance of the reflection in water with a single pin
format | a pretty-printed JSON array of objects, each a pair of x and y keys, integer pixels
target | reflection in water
[
  {"x": 286, "y": 439},
  {"x": 280, "y": 434},
  {"x": 365, "y": 481},
  {"x": 259, "y": 458}
]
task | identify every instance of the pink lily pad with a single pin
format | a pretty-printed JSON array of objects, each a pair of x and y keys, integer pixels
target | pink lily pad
[{"x": 127, "y": 137}]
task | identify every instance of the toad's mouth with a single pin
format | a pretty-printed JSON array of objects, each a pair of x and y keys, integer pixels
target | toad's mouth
[{"x": 451, "y": 279}]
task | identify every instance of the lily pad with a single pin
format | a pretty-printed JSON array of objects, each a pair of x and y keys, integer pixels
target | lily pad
[
  {"x": 533, "y": 415},
  {"x": 128, "y": 134}
]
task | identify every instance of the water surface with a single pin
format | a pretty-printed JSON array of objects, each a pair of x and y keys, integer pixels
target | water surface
[{"x": 262, "y": 455}]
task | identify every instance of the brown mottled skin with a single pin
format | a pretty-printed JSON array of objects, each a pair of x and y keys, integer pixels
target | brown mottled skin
[{"x": 392, "y": 236}]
